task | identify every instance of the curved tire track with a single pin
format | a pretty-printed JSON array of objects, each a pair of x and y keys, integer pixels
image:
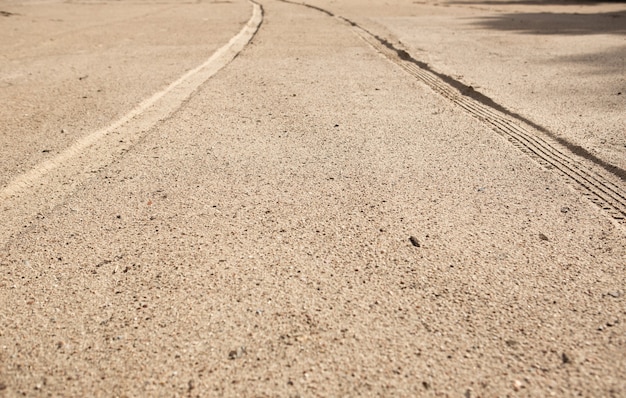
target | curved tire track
[
  {"x": 521, "y": 133},
  {"x": 47, "y": 183},
  {"x": 600, "y": 190}
]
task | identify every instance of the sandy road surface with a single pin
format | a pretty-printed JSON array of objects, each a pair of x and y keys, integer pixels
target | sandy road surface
[
  {"x": 69, "y": 69},
  {"x": 255, "y": 242}
]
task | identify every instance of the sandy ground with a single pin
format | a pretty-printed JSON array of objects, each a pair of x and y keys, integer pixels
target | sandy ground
[
  {"x": 69, "y": 68},
  {"x": 318, "y": 218}
]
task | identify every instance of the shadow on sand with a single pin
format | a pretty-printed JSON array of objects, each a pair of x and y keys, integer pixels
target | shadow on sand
[{"x": 558, "y": 23}]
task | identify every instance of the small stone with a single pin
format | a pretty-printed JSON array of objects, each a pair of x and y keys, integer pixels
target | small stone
[
  {"x": 543, "y": 237},
  {"x": 615, "y": 294},
  {"x": 564, "y": 209},
  {"x": 512, "y": 343},
  {"x": 517, "y": 385},
  {"x": 565, "y": 358},
  {"x": 3, "y": 386},
  {"x": 426, "y": 385},
  {"x": 238, "y": 353},
  {"x": 414, "y": 241}
]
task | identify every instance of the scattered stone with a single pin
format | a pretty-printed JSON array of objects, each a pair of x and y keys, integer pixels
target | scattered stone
[
  {"x": 564, "y": 209},
  {"x": 615, "y": 294},
  {"x": 565, "y": 358},
  {"x": 517, "y": 385},
  {"x": 45, "y": 151},
  {"x": 512, "y": 343},
  {"x": 543, "y": 237},
  {"x": 426, "y": 385},
  {"x": 238, "y": 353},
  {"x": 414, "y": 241}
]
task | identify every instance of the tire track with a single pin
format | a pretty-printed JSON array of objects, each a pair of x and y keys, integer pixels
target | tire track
[
  {"x": 560, "y": 156},
  {"x": 600, "y": 190},
  {"x": 47, "y": 183}
]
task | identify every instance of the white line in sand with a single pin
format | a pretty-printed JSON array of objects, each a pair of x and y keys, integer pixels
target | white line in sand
[{"x": 178, "y": 92}]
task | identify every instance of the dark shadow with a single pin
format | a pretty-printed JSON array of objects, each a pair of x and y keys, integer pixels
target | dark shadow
[
  {"x": 558, "y": 23},
  {"x": 608, "y": 62},
  {"x": 536, "y": 2}
]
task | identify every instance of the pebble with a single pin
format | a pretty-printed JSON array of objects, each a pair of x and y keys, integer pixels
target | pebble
[
  {"x": 512, "y": 343},
  {"x": 564, "y": 210},
  {"x": 414, "y": 241},
  {"x": 238, "y": 353},
  {"x": 565, "y": 358},
  {"x": 615, "y": 294},
  {"x": 543, "y": 237}
]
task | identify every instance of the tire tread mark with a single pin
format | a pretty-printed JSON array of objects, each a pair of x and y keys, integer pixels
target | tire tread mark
[
  {"x": 559, "y": 156},
  {"x": 600, "y": 190}
]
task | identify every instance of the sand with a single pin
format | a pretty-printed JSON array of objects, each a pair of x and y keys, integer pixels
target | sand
[{"x": 332, "y": 213}]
